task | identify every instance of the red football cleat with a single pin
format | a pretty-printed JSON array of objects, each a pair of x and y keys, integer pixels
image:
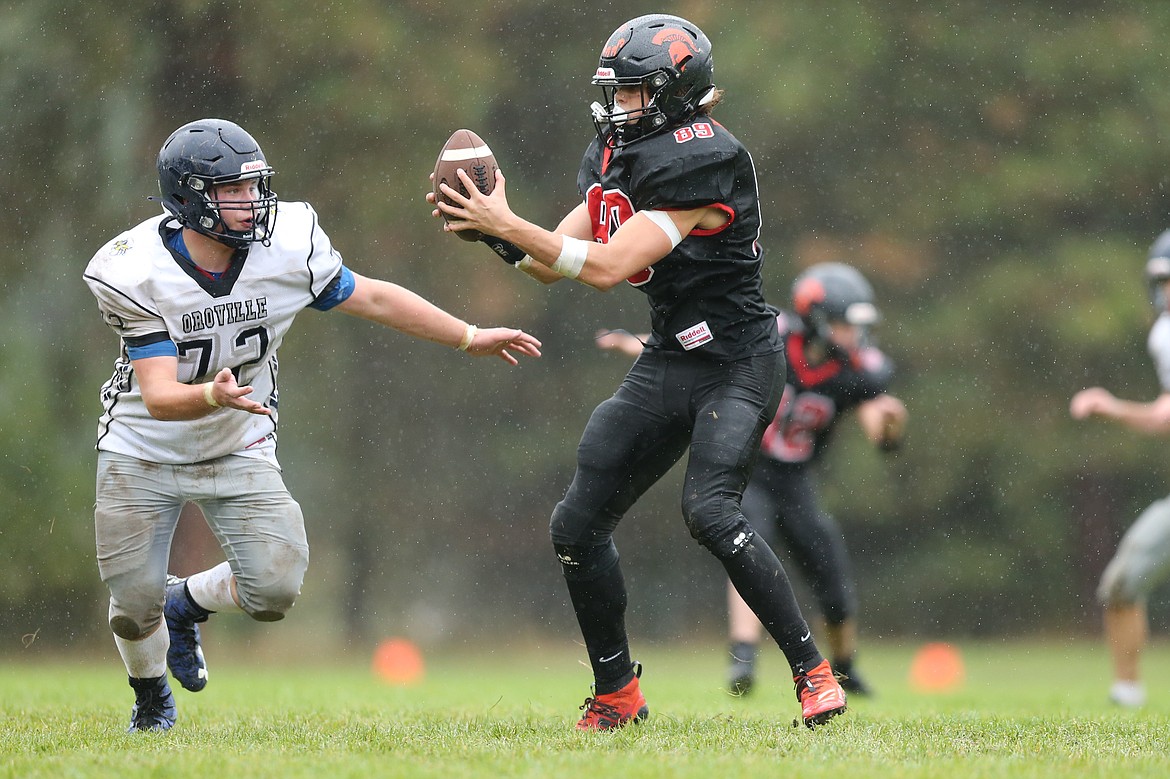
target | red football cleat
[
  {"x": 820, "y": 695},
  {"x": 612, "y": 710}
]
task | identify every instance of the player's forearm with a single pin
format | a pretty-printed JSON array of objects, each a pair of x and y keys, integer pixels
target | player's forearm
[
  {"x": 1147, "y": 418},
  {"x": 576, "y": 225},
  {"x": 176, "y": 402},
  {"x": 567, "y": 252},
  {"x": 398, "y": 308},
  {"x": 600, "y": 265},
  {"x": 543, "y": 247},
  {"x": 165, "y": 397}
]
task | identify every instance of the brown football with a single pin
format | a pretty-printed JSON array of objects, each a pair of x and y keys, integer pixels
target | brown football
[{"x": 464, "y": 149}]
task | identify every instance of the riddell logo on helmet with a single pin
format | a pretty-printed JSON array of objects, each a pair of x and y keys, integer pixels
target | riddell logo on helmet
[
  {"x": 605, "y": 73},
  {"x": 681, "y": 47},
  {"x": 248, "y": 167}
]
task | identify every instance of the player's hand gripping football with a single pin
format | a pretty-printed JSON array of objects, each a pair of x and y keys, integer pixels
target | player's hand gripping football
[{"x": 487, "y": 214}]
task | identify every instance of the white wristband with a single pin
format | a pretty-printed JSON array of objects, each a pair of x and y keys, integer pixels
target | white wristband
[
  {"x": 572, "y": 258},
  {"x": 525, "y": 263},
  {"x": 208, "y": 396},
  {"x": 468, "y": 337}
]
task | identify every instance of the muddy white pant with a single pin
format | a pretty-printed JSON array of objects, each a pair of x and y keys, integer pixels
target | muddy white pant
[{"x": 248, "y": 508}]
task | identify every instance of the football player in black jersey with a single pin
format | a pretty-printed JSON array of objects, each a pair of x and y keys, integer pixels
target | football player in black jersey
[
  {"x": 669, "y": 205},
  {"x": 831, "y": 369}
]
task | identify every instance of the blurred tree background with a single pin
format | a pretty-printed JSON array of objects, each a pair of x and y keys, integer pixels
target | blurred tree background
[{"x": 998, "y": 173}]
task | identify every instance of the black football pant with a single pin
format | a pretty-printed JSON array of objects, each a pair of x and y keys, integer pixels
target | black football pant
[
  {"x": 669, "y": 403},
  {"x": 782, "y": 504}
]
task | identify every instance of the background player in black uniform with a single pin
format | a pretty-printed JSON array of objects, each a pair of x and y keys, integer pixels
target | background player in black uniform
[
  {"x": 670, "y": 206},
  {"x": 830, "y": 370}
]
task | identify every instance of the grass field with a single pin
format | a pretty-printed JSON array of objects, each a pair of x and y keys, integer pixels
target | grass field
[{"x": 1025, "y": 710}]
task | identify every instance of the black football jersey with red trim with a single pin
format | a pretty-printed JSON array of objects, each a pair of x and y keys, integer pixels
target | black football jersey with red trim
[
  {"x": 705, "y": 296},
  {"x": 816, "y": 395}
]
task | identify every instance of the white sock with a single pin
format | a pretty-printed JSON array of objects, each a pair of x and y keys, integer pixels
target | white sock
[
  {"x": 212, "y": 589},
  {"x": 146, "y": 659},
  {"x": 1128, "y": 694}
]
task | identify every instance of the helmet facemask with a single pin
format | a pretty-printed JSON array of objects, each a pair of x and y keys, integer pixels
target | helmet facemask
[
  {"x": 204, "y": 212},
  {"x": 670, "y": 59},
  {"x": 1157, "y": 274},
  {"x": 617, "y": 127}
]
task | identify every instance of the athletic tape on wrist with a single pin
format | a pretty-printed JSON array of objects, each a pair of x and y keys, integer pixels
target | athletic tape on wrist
[
  {"x": 207, "y": 396},
  {"x": 572, "y": 258},
  {"x": 468, "y": 337},
  {"x": 525, "y": 263}
]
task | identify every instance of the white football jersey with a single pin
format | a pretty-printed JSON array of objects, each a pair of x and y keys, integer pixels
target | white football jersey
[
  {"x": 1158, "y": 345},
  {"x": 236, "y": 322}
]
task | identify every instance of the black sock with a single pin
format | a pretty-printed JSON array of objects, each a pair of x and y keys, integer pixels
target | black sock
[
  {"x": 600, "y": 605},
  {"x": 743, "y": 651},
  {"x": 758, "y": 576}
]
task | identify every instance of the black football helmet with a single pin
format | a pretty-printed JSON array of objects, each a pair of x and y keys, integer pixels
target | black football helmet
[
  {"x": 1158, "y": 270},
  {"x": 833, "y": 292},
  {"x": 198, "y": 157},
  {"x": 671, "y": 58}
]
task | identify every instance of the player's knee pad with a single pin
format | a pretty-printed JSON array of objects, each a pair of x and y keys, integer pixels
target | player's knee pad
[
  {"x": 132, "y": 629},
  {"x": 1121, "y": 584},
  {"x": 268, "y": 603},
  {"x": 837, "y": 606},
  {"x": 136, "y": 608},
  {"x": 569, "y": 524},
  {"x": 585, "y": 563},
  {"x": 1142, "y": 560},
  {"x": 833, "y": 588},
  {"x": 268, "y": 598},
  {"x": 717, "y": 524}
]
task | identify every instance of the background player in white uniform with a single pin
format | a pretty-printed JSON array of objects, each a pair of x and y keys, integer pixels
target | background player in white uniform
[
  {"x": 201, "y": 298},
  {"x": 1142, "y": 559}
]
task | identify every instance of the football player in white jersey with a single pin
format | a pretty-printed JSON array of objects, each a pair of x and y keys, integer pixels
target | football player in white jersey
[
  {"x": 1142, "y": 559},
  {"x": 201, "y": 297}
]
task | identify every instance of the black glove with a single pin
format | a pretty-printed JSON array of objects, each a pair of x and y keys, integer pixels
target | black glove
[{"x": 508, "y": 252}]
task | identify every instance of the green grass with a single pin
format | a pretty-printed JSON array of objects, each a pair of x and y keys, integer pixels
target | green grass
[{"x": 1025, "y": 710}]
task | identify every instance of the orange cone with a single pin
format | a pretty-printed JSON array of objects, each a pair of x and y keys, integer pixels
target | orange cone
[
  {"x": 398, "y": 661},
  {"x": 937, "y": 667}
]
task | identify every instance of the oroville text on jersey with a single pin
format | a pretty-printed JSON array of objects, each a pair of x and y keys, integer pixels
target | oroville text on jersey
[{"x": 226, "y": 313}]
